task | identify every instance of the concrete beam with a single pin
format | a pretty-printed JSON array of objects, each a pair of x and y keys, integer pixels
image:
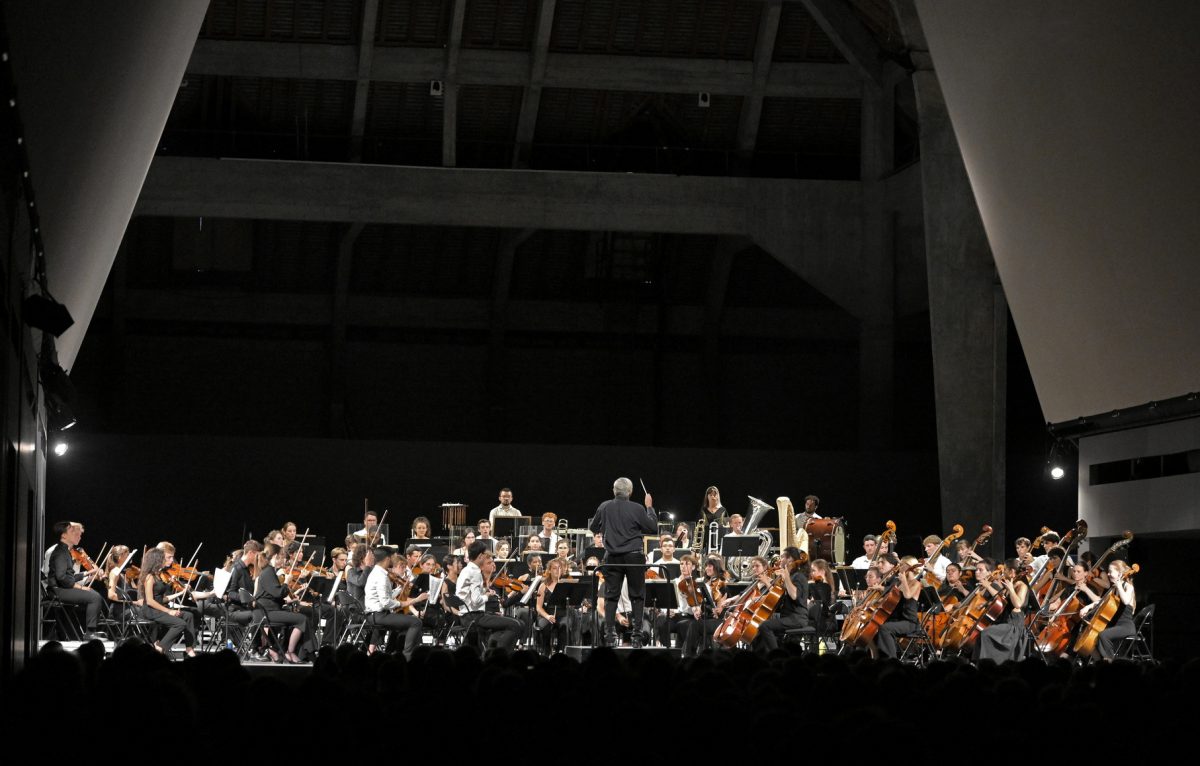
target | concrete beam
[
  {"x": 526, "y": 316},
  {"x": 324, "y": 61},
  {"x": 853, "y": 40},
  {"x": 450, "y": 85},
  {"x": 813, "y": 227},
  {"x": 362, "y": 86},
  {"x": 522, "y": 199},
  {"x": 531, "y": 102},
  {"x": 764, "y": 51}
]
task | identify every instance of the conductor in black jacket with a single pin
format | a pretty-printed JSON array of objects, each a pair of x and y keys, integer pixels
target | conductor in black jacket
[{"x": 623, "y": 522}]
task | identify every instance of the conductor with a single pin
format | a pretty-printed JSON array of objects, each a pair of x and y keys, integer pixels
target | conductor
[{"x": 623, "y": 522}]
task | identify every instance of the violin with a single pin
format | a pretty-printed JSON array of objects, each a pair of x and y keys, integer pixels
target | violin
[
  {"x": 691, "y": 591},
  {"x": 179, "y": 572},
  {"x": 80, "y": 557}
]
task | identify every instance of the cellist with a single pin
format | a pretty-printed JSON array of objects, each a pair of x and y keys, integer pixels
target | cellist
[
  {"x": 903, "y": 619},
  {"x": 792, "y": 611},
  {"x": 1121, "y": 625}
]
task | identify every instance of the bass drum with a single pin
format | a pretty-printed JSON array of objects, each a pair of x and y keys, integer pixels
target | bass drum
[{"x": 826, "y": 540}]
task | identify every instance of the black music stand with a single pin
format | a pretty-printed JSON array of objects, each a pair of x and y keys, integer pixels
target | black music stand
[
  {"x": 852, "y": 579},
  {"x": 739, "y": 546},
  {"x": 660, "y": 594}
]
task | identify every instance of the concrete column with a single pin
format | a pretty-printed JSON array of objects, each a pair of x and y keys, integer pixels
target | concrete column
[
  {"x": 876, "y": 348},
  {"x": 968, "y": 321}
]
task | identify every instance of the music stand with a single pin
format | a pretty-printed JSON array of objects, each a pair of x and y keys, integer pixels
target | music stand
[
  {"x": 739, "y": 545},
  {"x": 507, "y": 526},
  {"x": 660, "y": 594},
  {"x": 852, "y": 579}
]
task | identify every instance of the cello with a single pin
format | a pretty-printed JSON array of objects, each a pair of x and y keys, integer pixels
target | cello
[
  {"x": 1106, "y": 610},
  {"x": 875, "y": 616},
  {"x": 743, "y": 624},
  {"x": 860, "y": 614},
  {"x": 1055, "y": 637},
  {"x": 961, "y": 628}
]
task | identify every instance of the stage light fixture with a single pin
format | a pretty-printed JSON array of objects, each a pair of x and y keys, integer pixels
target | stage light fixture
[
  {"x": 1056, "y": 461},
  {"x": 60, "y": 449}
]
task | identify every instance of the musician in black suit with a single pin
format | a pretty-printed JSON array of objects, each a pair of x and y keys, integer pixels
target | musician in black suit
[
  {"x": 65, "y": 583},
  {"x": 623, "y": 523}
]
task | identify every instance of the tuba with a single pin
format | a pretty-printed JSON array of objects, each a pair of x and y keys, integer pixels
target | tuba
[{"x": 740, "y": 565}]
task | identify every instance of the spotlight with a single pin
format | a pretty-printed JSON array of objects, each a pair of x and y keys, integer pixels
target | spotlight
[
  {"x": 1056, "y": 462},
  {"x": 60, "y": 449},
  {"x": 435, "y": 87},
  {"x": 703, "y": 100}
]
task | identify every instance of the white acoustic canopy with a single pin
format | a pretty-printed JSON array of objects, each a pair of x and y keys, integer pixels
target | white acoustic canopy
[
  {"x": 1078, "y": 124},
  {"x": 95, "y": 82}
]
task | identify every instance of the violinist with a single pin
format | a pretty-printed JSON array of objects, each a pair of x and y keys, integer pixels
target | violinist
[
  {"x": 68, "y": 584},
  {"x": 184, "y": 575},
  {"x": 1120, "y": 627},
  {"x": 385, "y": 582},
  {"x": 412, "y": 557},
  {"x": 689, "y": 623},
  {"x": 1005, "y": 640},
  {"x": 452, "y": 566},
  {"x": 551, "y": 623},
  {"x": 119, "y": 590},
  {"x": 714, "y": 582},
  {"x": 289, "y": 532},
  {"x": 472, "y": 590},
  {"x": 903, "y": 619},
  {"x": 792, "y": 611},
  {"x": 271, "y": 596},
  {"x": 275, "y": 537},
  {"x": 155, "y": 592},
  {"x": 362, "y": 561},
  {"x": 240, "y": 591}
]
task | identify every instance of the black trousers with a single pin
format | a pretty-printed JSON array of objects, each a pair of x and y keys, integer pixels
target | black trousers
[
  {"x": 885, "y": 640},
  {"x": 409, "y": 625},
  {"x": 546, "y": 631},
  {"x": 1110, "y": 637},
  {"x": 770, "y": 633},
  {"x": 503, "y": 631},
  {"x": 89, "y": 599},
  {"x": 679, "y": 624},
  {"x": 185, "y": 623},
  {"x": 613, "y": 578},
  {"x": 700, "y": 634}
]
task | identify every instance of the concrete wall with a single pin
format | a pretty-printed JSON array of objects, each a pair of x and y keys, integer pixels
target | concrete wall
[{"x": 1166, "y": 504}]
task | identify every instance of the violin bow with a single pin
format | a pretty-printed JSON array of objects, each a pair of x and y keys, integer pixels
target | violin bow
[{"x": 378, "y": 528}]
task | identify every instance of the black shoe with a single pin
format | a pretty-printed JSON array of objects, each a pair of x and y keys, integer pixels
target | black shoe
[
  {"x": 612, "y": 639},
  {"x": 636, "y": 642}
]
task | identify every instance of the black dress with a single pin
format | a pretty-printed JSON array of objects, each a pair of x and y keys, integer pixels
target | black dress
[{"x": 1005, "y": 640}]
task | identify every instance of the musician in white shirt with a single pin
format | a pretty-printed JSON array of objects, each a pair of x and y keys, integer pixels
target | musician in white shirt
[
  {"x": 473, "y": 590},
  {"x": 938, "y": 566},
  {"x": 380, "y": 602},
  {"x": 870, "y": 543}
]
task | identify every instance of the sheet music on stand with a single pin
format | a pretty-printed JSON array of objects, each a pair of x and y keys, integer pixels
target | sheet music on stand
[
  {"x": 337, "y": 584},
  {"x": 221, "y": 580}
]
